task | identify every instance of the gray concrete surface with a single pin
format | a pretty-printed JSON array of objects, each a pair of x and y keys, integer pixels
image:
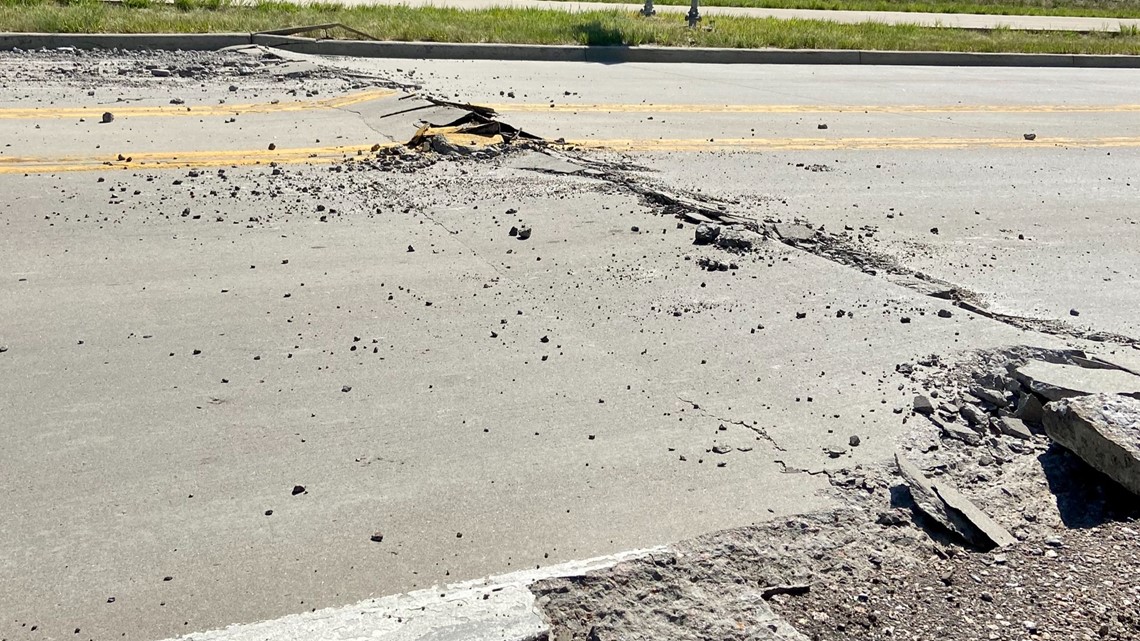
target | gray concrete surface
[
  {"x": 498, "y": 608},
  {"x": 473, "y": 445}
]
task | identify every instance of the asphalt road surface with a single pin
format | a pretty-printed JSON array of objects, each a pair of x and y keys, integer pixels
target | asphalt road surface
[{"x": 237, "y": 349}]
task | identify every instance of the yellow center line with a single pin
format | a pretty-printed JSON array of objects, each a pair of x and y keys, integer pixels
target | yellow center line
[
  {"x": 185, "y": 159},
  {"x": 317, "y": 155},
  {"x": 802, "y": 144},
  {"x": 96, "y": 111},
  {"x": 796, "y": 109}
]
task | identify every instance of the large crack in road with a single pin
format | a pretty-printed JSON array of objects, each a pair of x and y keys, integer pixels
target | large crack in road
[{"x": 370, "y": 332}]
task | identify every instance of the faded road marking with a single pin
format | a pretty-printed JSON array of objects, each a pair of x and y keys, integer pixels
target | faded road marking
[
  {"x": 96, "y": 111},
  {"x": 797, "y": 109},
  {"x": 324, "y": 155}
]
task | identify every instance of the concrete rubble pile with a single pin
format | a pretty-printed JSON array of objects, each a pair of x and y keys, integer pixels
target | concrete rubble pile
[{"x": 1088, "y": 405}]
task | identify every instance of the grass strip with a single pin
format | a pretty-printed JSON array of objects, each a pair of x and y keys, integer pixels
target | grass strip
[
  {"x": 537, "y": 26},
  {"x": 1071, "y": 8}
]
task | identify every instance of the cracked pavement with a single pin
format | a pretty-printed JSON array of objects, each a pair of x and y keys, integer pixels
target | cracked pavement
[{"x": 194, "y": 332}]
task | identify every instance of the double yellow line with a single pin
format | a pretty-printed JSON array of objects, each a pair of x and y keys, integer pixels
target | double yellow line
[
  {"x": 826, "y": 144},
  {"x": 185, "y": 159},
  {"x": 123, "y": 111},
  {"x": 807, "y": 109},
  {"x": 324, "y": 155}
]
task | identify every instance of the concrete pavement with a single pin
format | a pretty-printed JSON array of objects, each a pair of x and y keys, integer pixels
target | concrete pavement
[{"x": 190, "y": 339}]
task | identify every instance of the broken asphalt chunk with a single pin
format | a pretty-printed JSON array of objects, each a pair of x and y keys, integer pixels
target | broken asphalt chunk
[
  {"x": 940, "y": 501},
  {"x": 1103, "y": 430}
]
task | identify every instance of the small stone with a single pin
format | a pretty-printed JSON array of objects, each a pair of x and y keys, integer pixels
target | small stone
[
  {"x": 377, "y": 537},
  {"x": 513, "y": 232},
  {"x": 705, "y": 234},
  {"x": 944, "y": 313},
  {"x": 233, "y": 88},
  {"x": 1073, "y": 312},
  {"x": 1053, "y": 542},
  {"x": 721, "y": 449},
  {"x": 108, "y": 117},
  {"x": 854, "y": 441},
  {"x": 160, "y": 73},
  {"x": 346, "y": 388},
  {"x": 272, "y": 146},
  {"x": 524, "y": 232},
  {"x": 1030, "y": 136},
  {"x": 269, "y": 513},
  {"x": 298, "y": 489},
  {"x": 635, "y": 229},
  {"x": 987, "y": 597},
  {"x": 821, "y": 126},
  {"x": 411, "y": 249}
]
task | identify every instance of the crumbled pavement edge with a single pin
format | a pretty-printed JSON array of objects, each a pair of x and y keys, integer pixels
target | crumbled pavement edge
[{"x": 880, "y": 568}]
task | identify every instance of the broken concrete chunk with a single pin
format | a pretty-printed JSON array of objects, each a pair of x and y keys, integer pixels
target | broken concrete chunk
[
  {"x": 793, "y": 233},
  {"x": 974, "y": 415},
  {"x": 1014, "y": 427},
  {"x": 922, "y": 405},
  {"x": 706, "y": 233},
  {"x": 1092, "y": 363},
  {"x": 1055, "y": 382},
  {"x": 993, "y": 397},
  {"x": 964, "y": 434},
  {"x": 1029, "y": 408},
  {"x": 941, "y": 501},
  {"x": 1120, "y": 360},
  {"x": 1103, "y": 430},
  {"x": 736, "y": 239}
]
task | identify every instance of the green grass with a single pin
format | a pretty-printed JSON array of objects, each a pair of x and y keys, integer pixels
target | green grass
[
  {"x": 1090, "y": 8},
  {"x": 536, "y": 26}
]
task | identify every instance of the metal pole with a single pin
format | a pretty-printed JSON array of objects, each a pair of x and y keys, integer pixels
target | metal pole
[
  {"x": 648, "y": 9},
  {"x": 694, "y": 15}
]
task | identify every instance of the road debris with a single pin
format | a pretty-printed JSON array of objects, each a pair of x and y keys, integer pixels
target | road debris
[
  {"x": 1103, "y": 430},
  {"x": 1055, "y": 381},
  {"x": 941, "y": 501}
]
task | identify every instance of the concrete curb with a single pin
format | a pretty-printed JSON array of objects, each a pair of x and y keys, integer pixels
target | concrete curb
[{"x": 561, "y": 53}]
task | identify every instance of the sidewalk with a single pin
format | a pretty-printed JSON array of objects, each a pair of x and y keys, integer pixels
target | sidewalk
[{"x": 955, "y": 20}]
